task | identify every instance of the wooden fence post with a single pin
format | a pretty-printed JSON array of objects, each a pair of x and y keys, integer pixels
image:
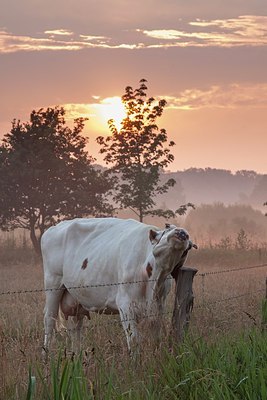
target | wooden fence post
[{"x": 183, "y": 302}]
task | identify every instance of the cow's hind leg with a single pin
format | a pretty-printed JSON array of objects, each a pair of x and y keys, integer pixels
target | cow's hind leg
[
  {"x": 129, "y": 327},
  {"x": 74, "y": 313},
  {"x": 75, "y": 330},
  {"x": 128, "y": 320},
  {"x": 53, "y": 298}
]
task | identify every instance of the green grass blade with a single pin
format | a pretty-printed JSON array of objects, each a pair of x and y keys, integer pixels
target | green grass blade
[{"x": 31, "y": 386}]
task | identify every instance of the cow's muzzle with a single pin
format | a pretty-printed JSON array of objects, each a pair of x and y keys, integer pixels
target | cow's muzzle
[{"x": 181, "y": 234}]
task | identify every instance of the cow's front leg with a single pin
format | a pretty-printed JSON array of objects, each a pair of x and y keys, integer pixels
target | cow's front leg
[
  {"x": 74, "y": 329},
  {"x": 129, "y": 324},
  {"x": 53, "y": 298},
  {"x": 130, "y": 329}
]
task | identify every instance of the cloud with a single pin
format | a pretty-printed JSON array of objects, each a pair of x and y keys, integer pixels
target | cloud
[
  {"x": 248, "y": 30},
  {"x": 59, "y": 32},
  {"x": 77, "y": 110},
  {"x": 10, "y": 43},
  {"x": 227, "y": 96},
  {"x": 90, "y": 37}
]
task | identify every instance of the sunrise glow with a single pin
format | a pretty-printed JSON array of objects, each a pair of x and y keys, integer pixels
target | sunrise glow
[
  {"x": 112, "y": 108},
  {"x": 209, "y": 64}
]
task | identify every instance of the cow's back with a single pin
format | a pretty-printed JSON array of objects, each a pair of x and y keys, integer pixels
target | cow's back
[
  {"x": 95, "y": 250},
  {"x": 52, "y": 247},
  {"x": 111, "y": 248}
]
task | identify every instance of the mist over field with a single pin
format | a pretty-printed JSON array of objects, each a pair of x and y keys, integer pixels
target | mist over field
[
  {"x": 225, "y": 202},
  {"x": 210, "y": 185}
]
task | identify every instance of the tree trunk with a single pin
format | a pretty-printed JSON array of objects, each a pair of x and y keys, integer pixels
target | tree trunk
[
  {"x": 183, "y": 302},
  {"x": 141, "y": 216},
  {"x": 34, "y": 239}
]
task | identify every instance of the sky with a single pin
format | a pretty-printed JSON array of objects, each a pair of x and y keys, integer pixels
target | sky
[{"x": 207, "y": 58}]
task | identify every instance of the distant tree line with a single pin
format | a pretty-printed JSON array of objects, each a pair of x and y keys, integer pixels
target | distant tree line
[
  {"x": 47, "y": 174},
  {"x": 209, "y": 185},
  {"x": 227, "y": 225}
]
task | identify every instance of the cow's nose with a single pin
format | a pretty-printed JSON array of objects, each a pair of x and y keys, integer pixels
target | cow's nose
[{"x": 181, "y": 234}]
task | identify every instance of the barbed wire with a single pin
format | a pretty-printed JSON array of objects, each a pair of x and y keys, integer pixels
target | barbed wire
[
  {"x": 166, "y": 313},
  {"x": 144, "y": 315},
  {"x": 231, "y": 270},
  {"x": 208, "y": 304},
  {"x": 229, "y": 298},
  {"x": 76, "y": 287},
  {"x": 43, "y": 290}
]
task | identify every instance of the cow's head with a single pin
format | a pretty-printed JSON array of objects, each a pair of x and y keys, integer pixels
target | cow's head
[
  {"x": 170, "y": 242},
  {"x": 169, "y": 247}
]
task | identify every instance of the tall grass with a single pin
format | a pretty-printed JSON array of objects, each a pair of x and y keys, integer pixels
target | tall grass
[
  {"x": 264, "y": 312},
  {"x": 15, "y": 246},
  {"x": 224, "y": 357},
  {"x": 227, "y": 369},
  {"x": 67, "y": 380}
]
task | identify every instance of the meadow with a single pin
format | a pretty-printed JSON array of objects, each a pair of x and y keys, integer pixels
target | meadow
[{"x": 223, "y": 356}]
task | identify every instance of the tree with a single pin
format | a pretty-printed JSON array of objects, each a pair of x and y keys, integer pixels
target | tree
[
  {"x": 46, "y": 174},
  {"x": 242, "y": 241},
  {"x": 138, "y": 152},
  {"x": 259, "y": 191}
]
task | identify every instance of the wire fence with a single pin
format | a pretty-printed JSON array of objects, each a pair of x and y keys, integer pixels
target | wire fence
[
  {"x": 202, "y": 276},
  {"x": 223, "y": 271},
  {"x": 110, "y": 284},
  {"x": 202, "y": 303}
]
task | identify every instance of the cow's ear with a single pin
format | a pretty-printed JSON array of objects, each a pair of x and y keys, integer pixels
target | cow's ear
[{"x": 152, "y": 236}]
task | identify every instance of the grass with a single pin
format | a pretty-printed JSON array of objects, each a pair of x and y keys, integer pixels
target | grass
[
  {"x": 223, "y": 357},
  {"x": 226, "y": 369},
  {"x": 229, "y": 369},
  {"x": 15, "y": 246}
]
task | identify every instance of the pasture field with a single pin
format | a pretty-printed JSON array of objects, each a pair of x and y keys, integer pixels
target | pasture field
[{"x": 224, "y": 355}]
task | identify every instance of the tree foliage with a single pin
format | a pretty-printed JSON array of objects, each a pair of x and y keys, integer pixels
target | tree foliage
[
  {"x": 138, "y": 152},
  {"x": 47, "y": 175}
]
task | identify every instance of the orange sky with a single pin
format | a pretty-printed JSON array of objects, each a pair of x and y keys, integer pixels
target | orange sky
[{"x": 208, "y": 59}]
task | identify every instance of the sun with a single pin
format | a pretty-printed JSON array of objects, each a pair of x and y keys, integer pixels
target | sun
[
  {"x": 113, "y": 108},
  {"x": 98, "y": 113}
]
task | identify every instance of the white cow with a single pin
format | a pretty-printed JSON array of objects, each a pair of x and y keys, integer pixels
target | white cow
[{"x": 88, "y": 262}]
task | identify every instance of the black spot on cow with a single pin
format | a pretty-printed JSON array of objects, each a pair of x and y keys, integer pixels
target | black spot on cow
[
  {"x": 149, "y": 270},
  {"x": 85, "y": 263}
]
